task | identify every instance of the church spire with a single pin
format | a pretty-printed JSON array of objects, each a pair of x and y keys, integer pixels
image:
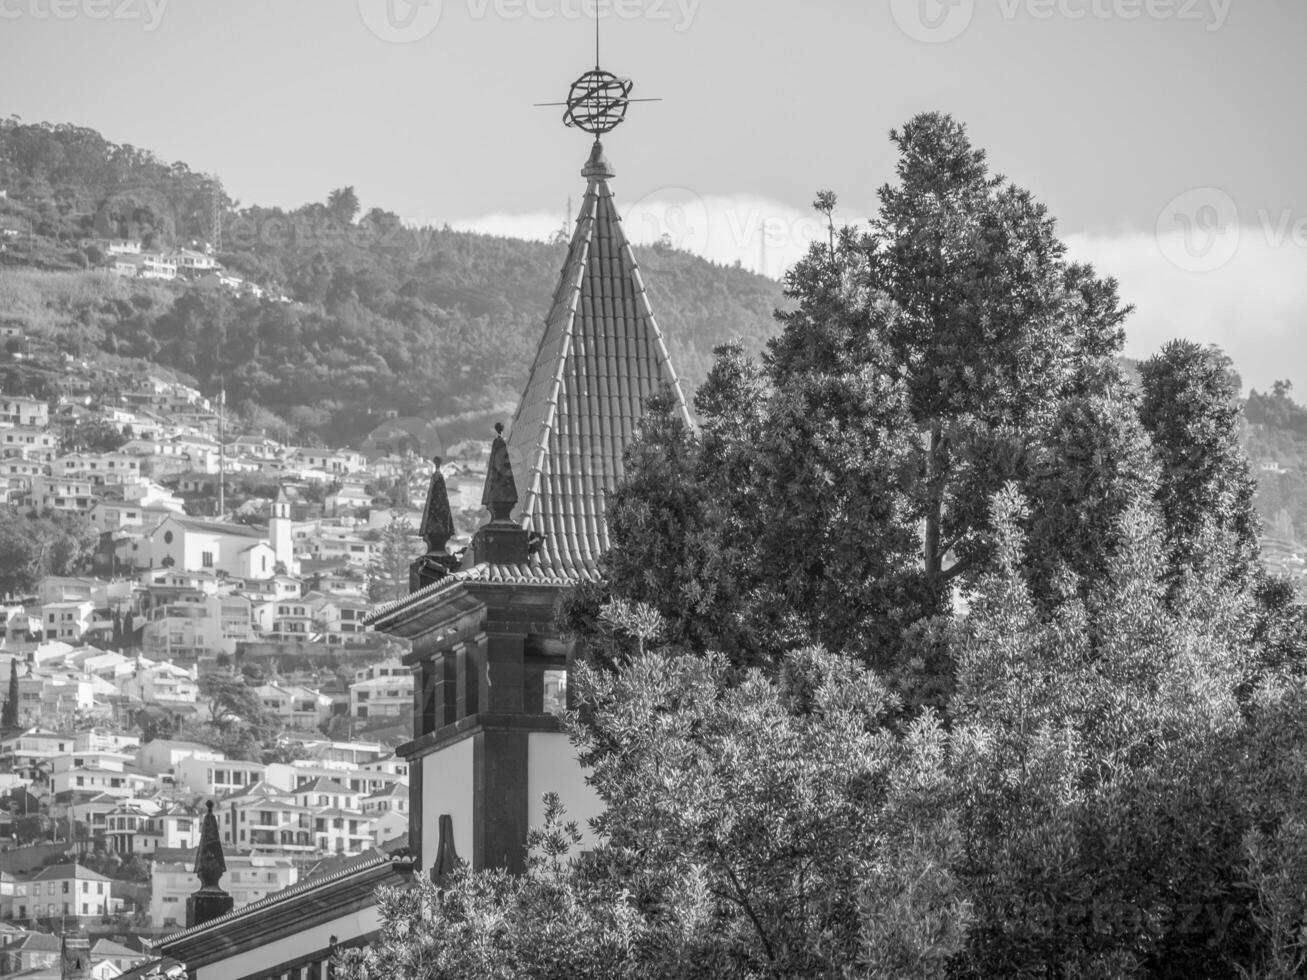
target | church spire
[{"x": 601, "y": 357}]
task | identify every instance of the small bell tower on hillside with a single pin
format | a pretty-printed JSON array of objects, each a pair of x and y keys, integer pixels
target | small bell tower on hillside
[{"x": 279, "y": 532}]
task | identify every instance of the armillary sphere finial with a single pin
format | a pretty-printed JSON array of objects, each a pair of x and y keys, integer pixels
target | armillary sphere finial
[{"x": 597, "y": 102}]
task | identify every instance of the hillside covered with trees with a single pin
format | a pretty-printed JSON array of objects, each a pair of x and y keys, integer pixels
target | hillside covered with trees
[{"x": 362, "y": 316}]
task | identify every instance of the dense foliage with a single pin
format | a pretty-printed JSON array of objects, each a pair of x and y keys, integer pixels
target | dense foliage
[
  {"x": 1092, "y": 802},
  {"x": 34, "y": 545},
  {"x": 1276, "y": 440},
  {"x": 836, "y": 492},
  {"x": 768, "y": 826}
]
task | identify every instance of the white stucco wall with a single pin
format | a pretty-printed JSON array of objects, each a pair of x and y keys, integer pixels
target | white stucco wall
[
  {"x": 447, "y": 788},
  {"x": 552, "y": 767}
]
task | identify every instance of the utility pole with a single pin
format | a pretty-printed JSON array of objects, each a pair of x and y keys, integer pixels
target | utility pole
[
  {"x": 222, "y": 451},
  {"x": 215, "y": 214}
]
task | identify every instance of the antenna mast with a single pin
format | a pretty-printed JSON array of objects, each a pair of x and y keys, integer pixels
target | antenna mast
[
  {"x": 598, "y": 100},
  {"x": 215, "y": 214},
  {"x": 222, "y": 450}
]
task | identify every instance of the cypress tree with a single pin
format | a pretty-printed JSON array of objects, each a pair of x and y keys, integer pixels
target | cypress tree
[{"x": 9, "y": 718}]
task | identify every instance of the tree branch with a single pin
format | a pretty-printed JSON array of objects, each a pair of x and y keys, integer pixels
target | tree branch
[
  {"x": 957, "y": 568},
  {"x": 946, "y": 548},
  {"x": 742, "y": 900}
]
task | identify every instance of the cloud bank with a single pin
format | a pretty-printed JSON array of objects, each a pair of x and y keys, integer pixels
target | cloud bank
[{"x": 1254, "y": 305}]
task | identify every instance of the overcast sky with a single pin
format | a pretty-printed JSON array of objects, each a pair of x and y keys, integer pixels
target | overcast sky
[{"x": 1165, "y": 135}]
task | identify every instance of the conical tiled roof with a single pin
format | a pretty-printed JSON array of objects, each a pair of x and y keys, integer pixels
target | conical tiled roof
[{"x": 601, "y": 357}]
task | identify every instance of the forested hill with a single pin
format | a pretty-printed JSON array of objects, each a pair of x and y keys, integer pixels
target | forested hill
[
  {"x": 1277, "y": 447},
  {"x": 361, "y": 315}
]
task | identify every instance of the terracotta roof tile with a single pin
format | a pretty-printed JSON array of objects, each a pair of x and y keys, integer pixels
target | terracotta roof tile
[{"x": 601, "y": 356}]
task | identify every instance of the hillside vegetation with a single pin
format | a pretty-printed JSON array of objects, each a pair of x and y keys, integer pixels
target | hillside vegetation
[{"x": 380, "y": 317}]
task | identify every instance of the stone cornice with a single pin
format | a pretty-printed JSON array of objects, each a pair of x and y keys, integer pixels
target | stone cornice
[
  {"x": 286, "y": 912},
  {"x": 467, "y": 727}
]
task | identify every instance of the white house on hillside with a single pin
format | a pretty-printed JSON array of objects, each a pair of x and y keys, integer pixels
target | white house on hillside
[{"x": 188, "y": 543}]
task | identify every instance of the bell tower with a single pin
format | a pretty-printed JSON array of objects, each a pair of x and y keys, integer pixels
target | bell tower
[
  {"x": 488, "y": 661},
  {"x": 279, "y": 532}
]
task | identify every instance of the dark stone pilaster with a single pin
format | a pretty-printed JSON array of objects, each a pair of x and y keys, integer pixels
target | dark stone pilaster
[
  {"x": 502, "y": 680},
  {"x": 533, "y": 689},
  {"x": 462, "y": 682},
  {"x": 499, "y": 808},
  {"x": 448, "y": 681},
  {"x": 415, "y": 809},
  {"x": 424, "y": 697}
]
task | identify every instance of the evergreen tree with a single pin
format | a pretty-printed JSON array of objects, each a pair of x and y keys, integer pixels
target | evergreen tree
[
  {"x": 388, "y": 573},
  {"x": 10, "y": 715},
  {"x": 1191, "y": 410},
  {"x": 837, "y": 491}
]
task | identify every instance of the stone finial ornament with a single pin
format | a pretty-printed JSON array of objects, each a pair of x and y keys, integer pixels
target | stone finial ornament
[
  {"x": 209, "y": 901},
  {"x": 210, "y": 865},
  {"x": 437, "y": 525},
  {"x": 500, "y": 494},
  {"x": 446, "y": 857}
]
